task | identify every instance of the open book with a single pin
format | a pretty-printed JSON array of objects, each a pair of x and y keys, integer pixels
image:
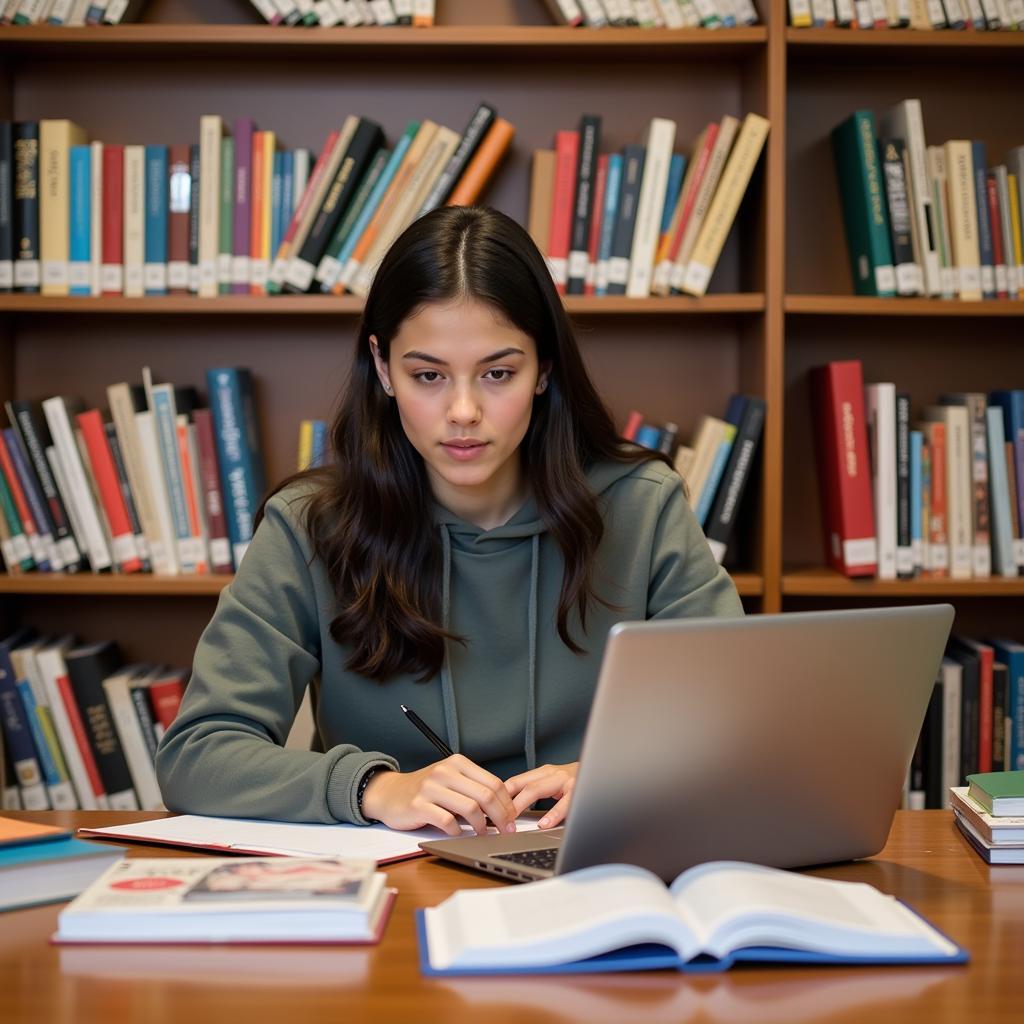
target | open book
[
  {"x": 237, "y": 899},
  {"x": 617, "y": 917}
]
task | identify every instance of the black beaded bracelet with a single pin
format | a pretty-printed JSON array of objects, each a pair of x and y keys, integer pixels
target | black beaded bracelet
[{"x": 361, "y": 791}]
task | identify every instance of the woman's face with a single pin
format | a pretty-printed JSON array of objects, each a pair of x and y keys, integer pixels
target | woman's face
[{"x": 464, "y": 381}]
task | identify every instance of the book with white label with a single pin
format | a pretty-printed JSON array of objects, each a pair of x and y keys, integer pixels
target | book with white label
[{"x": 618, "y": 917}]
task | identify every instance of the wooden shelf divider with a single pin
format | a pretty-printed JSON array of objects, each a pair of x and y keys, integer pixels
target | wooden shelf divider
[{"x": 823, "y": 582}]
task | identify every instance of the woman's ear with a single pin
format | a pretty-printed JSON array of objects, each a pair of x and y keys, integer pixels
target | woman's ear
[
  {"x": 382, "y": 367},
  {"x": 543, "y": 377}
]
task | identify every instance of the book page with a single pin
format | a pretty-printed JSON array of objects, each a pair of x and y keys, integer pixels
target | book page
[
  {"x": 557, "y": 920},
  {"x": 739, "y": 905}
]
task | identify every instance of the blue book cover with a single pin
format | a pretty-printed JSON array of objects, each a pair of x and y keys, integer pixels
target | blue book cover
[
  {"x": 988, "y": 274},
  {"x": 613, "y": 185},
  {"x": 37, "y": 506},
  {"x": 239, "y": 452},
  {"x": 80, "y": 221},
  {"x": 46, "y": 761},
  {"x": 714, "y": 478},
  {"x": 157, "y": 198},
  {"x": 1004, "y": 559},
  {"x": 676, "y": 167},
  {"x": 17, "y": 733},
  {"x": 287, "y": 192},
  {"x": 277, "y": 201},
  {"x": 161, "y": 400},
  {"x": 1012, "y": 405},
  {"x": 633, "y": 158},
  {"x": 319, "y": 444},
  {"x": 916, "y": 540},
  {"x": 1011, "y": 654},
  {"x": 378, "y": 192}
]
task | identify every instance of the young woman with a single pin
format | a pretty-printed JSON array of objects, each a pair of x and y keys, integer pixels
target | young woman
[{"x": 480, "y": 529}]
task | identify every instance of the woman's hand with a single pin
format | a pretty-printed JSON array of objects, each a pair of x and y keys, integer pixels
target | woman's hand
[
  {"x": 439, "y": 795},
  {"x": 549, "y": 780}
]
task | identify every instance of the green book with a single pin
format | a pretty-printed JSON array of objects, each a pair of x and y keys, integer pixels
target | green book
[
  {"x": 865, "y": 214},
  {"x": 1000, "y": 793},
  {"x": 225, "y": 246}
]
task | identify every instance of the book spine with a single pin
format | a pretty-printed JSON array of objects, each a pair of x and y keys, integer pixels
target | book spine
[
  {"x": 242, "y": 220},
  {"x": 940, "y": 203},
  {"x": 483, "y": 164},
  {"x": 916, "y": 492},
  {"x": 958, "y": 491},
  {"x": 23, "y": 512},
  {"x": 16, "y": 549},
  {"x": 112, "y": 269},
  {"x": 881, "y": 412},
  {"x": 163, "y": 544},
  {"x": 474, "y": 133},
  {"x": 6, "y": 206},
  {"x": 722, "y": 519},
  {"x": 166, "y": 697},
  {"x": 55, "y": 140},
  {"x": 567, "y": 144},
  {"x": 51, "y": 762},
  {"x": 909, "y": 279},
  {"x": 193, "y": 500},
  {"x": 1005, "y": 562},
  {"x": 195, "y": 169},
  {"x": 132, "y": 742},
  {"x": 164, "y": 421},
  {"x": 904, "y": 549},
  {"x": 622, "y": 239},
  {"x": 1013, "y": 280},
  {"x": 211, "y": 131},
  {"x": 27, "y": 271},
  {"x": 938, "y": 540},
  {"x": 121, "y": 469},
  {"x": 589, "y": 134},
  {"x": 80, "y": 221},
  {"x": 963, "y": 218},
  {"x": 609, "y": 216},
  {"x": 134, "y": 221},
  {"x": 658, "y": 145},
  {"x": 979, "y": 165},
  {"x": 714, "y": 477},
  {"x": 18, "y": 740},
  {"x": 213, "y": 502},
  {"x": 596, "y": 219},
  {"x": 140, "y": 700},
  {"x": 157, "y": 185},
  {"x": 996, "y": 225},
  {"x": 16, "y": 467},
  {"x": 981, "y": 556}
]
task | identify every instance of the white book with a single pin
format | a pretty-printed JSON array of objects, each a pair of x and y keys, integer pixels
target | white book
[
  {"x": 211, "y": 131},
  {"x": 133, "y": 743},
  {"x": 79, "y": 9},
  {"x": 150, "y": 453},
  {"x": 326, "y": 13},
  {"x": 1003, "y": 558},
  {"x": 1006, "y": 223},
  {"x": 880, "y": 406},
  {"x": 963, "y": 217},
  {"x": 60, "y": 12},
  {"x": 906, "y": 121},
  {"x": 658, "y": 143},
  {"x": 96, "y": 218},
  {"x": 715, "y": 910},
  {"x": 383, "y": 12},
  {"x": 266, "y": 10},
  {"x": 57, "y": 470},
  {"x": 952, "y": 684},
  {"x": 50, "y": 660},
  {"x": 671, "y": 13},
  {"x": 134, "y": 221},
  {"x": 58, "y": 420}
]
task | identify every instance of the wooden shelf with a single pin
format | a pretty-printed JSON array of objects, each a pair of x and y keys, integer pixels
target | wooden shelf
[
  {"x": 114, "y": 585},
  {"x": 349, "y": 305},
  {"x": 909, "y": 44},
  {"x": 865, "y": 305},
  {"x": 466, "y": 42},
  {"x": 820, "y": 582},
  {"x": 748, "y": 584}
]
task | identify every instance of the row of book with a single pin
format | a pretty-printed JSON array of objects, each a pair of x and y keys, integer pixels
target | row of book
[
  {"x": 654, "y": 13},
  {"x": 169, "y": 486},
  {"x": 79, "y": 727},
  {"x": 717, "y": 465},
  {"x": 928, "y": 220},
  {"x": 974, "y": 722},
  {"x": 926, "y": 15},
  {"x": 348, "y": 13},
  {"x": 233, "y": 214},
  {"x": 646, "y": 221},
  {"x": 69, "y": 12},
  {"x": 942, "y": 499}
]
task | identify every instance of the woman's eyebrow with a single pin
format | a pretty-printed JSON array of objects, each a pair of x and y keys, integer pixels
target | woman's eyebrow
[{"x": 427, "y": 358}]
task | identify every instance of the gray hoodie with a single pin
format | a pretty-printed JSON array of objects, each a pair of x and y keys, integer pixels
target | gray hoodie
[{"x": 513, "y": 696}]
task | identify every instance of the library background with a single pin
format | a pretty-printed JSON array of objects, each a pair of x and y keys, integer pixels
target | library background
[{"x": 194, "y": 217}]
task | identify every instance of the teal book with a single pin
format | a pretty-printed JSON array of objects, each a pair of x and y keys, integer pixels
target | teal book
[
  {"x": 157, "y": 216},
  {"x": 619, "y": 917},
  {"x": 80, "y": 221},
  {"x": 1000, "y": 793},
  {"x": 862, "y": 194},
  {"x": 51, "y": 871}
]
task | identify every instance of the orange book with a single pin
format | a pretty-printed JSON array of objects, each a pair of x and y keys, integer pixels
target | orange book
[
  {"x": 15, "y": 833},
  {"x": 938, "y": 540},
  {"x": 192, "y": 499},
  {"x": 481, "y": 168},
  {"x": 257, "y": 178}
]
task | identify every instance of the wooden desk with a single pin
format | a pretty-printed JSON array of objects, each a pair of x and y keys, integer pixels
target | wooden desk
[{"x": 926, "y": 862}]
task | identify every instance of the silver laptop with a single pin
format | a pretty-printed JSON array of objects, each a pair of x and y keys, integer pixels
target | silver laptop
[{"x": 779, "y": 739}]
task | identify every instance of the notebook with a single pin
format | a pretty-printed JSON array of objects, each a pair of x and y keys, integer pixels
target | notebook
[{"x": 620, "y": 917}]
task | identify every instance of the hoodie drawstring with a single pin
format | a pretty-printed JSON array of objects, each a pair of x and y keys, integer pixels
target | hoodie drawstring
[{"x": 451, "y": 713}]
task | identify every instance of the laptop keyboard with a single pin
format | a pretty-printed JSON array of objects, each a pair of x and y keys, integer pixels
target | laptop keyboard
[{"x": 543, "y": 860}]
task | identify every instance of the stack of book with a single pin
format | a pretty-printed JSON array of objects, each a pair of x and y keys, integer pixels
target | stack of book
[
  {"x": 653, "y": 13},
  {"x": 78, "y": 727},
  {"x": 990, "y": 813},
  {"x": 944, "y": 498},
  {"x": 43, "y": 864},
  {"x": 233, "y": 214},
  {"x": 928, "y": 220},
  {"x": 926, "y": 15},
  {"x": 646, "y": 220},
  {"x": 716, "y": 466},
  {"x": 348, "y": 13},
  {"x": 169, "y": 486},
  {"x": 70, "y": 12},
  {"x": 974, "y": 722}
]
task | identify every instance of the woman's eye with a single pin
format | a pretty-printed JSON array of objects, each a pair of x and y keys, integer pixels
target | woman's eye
[
  {"x": 499, "y": 376},
  {"x": 428, "y": 376}
]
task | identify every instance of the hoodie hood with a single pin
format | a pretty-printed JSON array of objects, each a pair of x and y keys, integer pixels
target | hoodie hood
[{"x": 469, "y": 540}]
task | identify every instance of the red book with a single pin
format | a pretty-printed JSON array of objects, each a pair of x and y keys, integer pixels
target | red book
[
  {"x": 567, "y": 144},
  {"x": 257, "y": 199},
  {"x": 180, "y": 174},
  {"x": 165, "y": 695},
  {"x": 28, "y": 524},
  {"x": 212, "y": 498},
  {"x": 690, "y": 198},
  {"x": 633, "y": 423},
  {"x": 998, "y": 249},
  {"x": 82, "y": 739},
  {"x": 844, "y": 468},
  {"x": 938, "y": 539},
  {"x": 112, "y": 269},
  {"x": 104, "y": 471},
  {"x": 596, "y": 218}
]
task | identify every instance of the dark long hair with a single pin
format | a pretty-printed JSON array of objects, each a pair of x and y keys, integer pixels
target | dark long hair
[{"x": 370, "y": 517}]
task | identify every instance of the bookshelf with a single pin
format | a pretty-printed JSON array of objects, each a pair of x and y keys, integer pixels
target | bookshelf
[{"x": 780, "y": 299}]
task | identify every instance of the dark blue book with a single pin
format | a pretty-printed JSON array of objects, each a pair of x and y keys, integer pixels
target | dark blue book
[
  {"x": 985, "y": 247},
  {"x": 27, "y": 269},
  {"x": 17, "y": 734},
  {"x": 625, "y": 220}
]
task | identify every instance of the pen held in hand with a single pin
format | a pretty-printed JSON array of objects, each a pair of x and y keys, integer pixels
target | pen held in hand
[{"x": 425, "y": 729}]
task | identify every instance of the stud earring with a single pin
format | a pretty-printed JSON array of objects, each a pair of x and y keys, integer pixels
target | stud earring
[{"x": 387, "y": 389}]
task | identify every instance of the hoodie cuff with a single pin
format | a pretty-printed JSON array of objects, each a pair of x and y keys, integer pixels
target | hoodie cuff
[{"x": 343, "y": 783}]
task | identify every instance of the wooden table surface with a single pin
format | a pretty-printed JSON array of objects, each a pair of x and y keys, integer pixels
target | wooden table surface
[{"x": 925, "y": 862}]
